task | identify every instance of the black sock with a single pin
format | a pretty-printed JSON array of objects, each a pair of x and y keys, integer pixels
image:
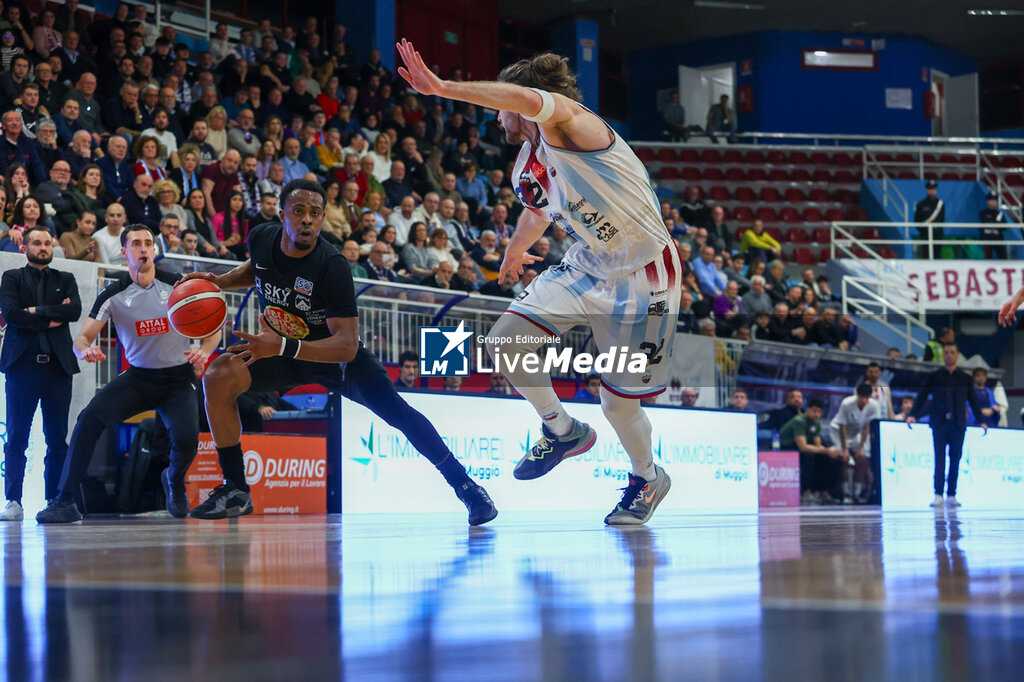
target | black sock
[
  {"x": 232, "y": 466},
  {"x": 453, "y": 471}
]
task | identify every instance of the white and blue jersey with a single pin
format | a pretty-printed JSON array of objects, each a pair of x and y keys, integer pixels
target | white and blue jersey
[{"x": 622, "y": 276}]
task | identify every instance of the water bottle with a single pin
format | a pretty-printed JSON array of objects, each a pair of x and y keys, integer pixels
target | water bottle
[{"x": 775, "y": 439}]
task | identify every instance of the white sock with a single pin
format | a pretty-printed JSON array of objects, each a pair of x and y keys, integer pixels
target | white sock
[
  {"x": 858, "y": 489},
  {"x": 534, "y": 387},
  {"x": 634, "y": 431}
]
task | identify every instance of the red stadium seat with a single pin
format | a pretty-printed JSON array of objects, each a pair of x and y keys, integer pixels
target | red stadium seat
[
  {"x": 740, "y": 232},
  {"x": 714, "y": 173},
  {"x": 743, "y": 214},
  {"x": 886, "y": 252},
  {"x": 757, "y": 175},
  {"x": 732, "y": 156},
  {"x": 858, "y": 252},
  {"x": 906, "y": 158},
  {"x": 826, "y": 255},
  {"x": 778, "y": 175},
  {"x": 883, "y": 157},
  {"x": 819, "y": 195},
  {"x": 949, "y": 175},
  {"x": 711, "y": 156},
  {"x": 645, "y": 154},
  {"x": 689, "y": 156},
  {"x": 735, "y": 175},
  {"x": 691, "y": 174},
  {"x": 754, "y": 156},
  {"x": 930, "y": 175},
  {"x": 820, "y": 159},
  {"x": 745, "y": 194},
  {"x": 777, "y": 157},
  {"x": 770, "y": 195},
  {"x": 821, "y": 235},
  {"x": 842, "y": 159},
  {"x": 812, "y": 215},
  {"x": 821, "y": 175},
  {"x": 797, "y": 235},
  {"x": 668, "y": 173},
  {"x": 775, "y": 233},
  {"x": 834, "y": 214},
  {"x": 803, "y": 256},
  {"x": 1014, "y": 180},
  {"x": 970, "y": 176},
  {"x": 857, "y": 215},
  {"x": 930, "y": 158},
  {"x": 798, "y": 157},
  {"x": 1008, "y": 162},
  {"x": 667, "y": 155},
  {"x": 870, "y": 233},
  {"x": 844, "y": 196},
  {"x": 906, "y": 175},
  {"x": 718, "y": 193},
  {"x": 948, "y": 158},
  {"x": 794, "y": 194},
  {"x": 788, "y": 214},
  {"x": 800, "y": 175}
]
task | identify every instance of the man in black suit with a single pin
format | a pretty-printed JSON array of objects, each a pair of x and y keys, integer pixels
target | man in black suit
[
  {"x": 950, "y": 390},
  {"x": 38, "y": 303}
]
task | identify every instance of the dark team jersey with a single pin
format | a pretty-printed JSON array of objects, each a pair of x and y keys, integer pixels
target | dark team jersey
[{"x": 297, "y": 295}]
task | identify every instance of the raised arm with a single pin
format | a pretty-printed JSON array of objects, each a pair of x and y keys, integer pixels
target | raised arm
[
  {"x": 241, "y": 277},
  {"x": 1008, "y": 313}
]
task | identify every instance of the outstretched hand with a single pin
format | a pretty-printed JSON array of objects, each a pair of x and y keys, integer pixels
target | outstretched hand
[
  {"x": 208, "y": 276},
  {"x": 512, "y": 266},
  {"x": 1008, "y": 313},
  {"x": 266, "y": 344},
  {"x": 415, "y": 71}
]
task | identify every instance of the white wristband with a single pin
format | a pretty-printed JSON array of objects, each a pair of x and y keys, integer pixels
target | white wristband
[
  {"x": 284, "y": 340},
  {"x": 547, "y": 107}
]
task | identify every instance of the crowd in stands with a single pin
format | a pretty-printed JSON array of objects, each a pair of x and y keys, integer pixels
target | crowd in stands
[
  {"x": 738, "y": 290},
  {"x": 109, "y": 122}
]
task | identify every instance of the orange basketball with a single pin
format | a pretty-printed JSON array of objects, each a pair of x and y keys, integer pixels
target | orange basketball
[{"x": 197, "y": 309}]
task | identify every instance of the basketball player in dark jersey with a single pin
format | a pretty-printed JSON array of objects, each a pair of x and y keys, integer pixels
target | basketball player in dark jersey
[{"x": 309, "y": 334}]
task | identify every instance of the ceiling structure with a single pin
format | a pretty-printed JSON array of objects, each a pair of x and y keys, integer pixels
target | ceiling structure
[{"x": 627, "y": 25}]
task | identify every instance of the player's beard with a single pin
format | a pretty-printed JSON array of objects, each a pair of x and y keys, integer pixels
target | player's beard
[{"x": 32, "y": 258}]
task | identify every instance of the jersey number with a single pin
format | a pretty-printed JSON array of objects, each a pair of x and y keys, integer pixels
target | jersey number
[
  {"x": 538, "y": 200},
  {"x": 653, "y": 352}
]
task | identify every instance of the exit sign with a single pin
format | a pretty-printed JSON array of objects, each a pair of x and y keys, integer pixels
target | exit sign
[{"x": 450, "y": 37}]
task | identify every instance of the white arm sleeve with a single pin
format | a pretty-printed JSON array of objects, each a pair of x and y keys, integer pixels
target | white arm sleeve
[{"x": 547, "y": 107}]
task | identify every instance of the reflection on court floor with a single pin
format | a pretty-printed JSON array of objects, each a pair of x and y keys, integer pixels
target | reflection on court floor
[{"x": 916, "y": 595}]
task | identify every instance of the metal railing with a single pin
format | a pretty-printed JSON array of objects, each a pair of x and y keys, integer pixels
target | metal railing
[
  {"x": 927, "y": 247},
  {"x": 874, "y": 298},
  {"x": 763, "y": 140},
  {"x": 891, "y": 194}
]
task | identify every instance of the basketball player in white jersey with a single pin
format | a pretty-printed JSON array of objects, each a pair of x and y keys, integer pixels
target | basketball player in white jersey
[{"x": 622, "y": 276}]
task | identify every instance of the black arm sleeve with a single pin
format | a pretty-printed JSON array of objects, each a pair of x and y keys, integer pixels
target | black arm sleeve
[{"x": 922, "y": 397}]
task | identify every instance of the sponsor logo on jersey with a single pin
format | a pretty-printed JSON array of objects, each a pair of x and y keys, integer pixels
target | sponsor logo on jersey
[
  {"x": 302, "y": 303},
  {"x": 286, "y": 324},
  {"x": 274, "y": 294},
  {"x": 538, "y": 170},
  {"x": 522, "y": 295},
  {"x": 658, "y": 309},
  {"x": 153, "y": 327},
  {"x": 303, "y": 286}
]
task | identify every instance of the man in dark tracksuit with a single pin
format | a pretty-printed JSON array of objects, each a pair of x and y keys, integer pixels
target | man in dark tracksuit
[
  {"x": 38, "y": 303},
  {"x": 951, "y": 391},
  {"x": 161, "y": 376},
  {"x": 931, "y": 211},
  {"x": 991, "y": 215}
]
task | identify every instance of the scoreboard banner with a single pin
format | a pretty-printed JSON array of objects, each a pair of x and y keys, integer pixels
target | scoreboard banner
[{"x": 710, "y": 455}]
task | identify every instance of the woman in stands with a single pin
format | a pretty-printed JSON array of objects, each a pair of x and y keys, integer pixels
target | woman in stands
[
  {"x": 187, "y": 178},
  {"x": 169, "y": 197},
  {"x": 264, "y": 157},
  {"x": 440, "y": 250},
  {"x": 388, "y": 234},
  {"x": 16, "y": 187},
  {"x": 8, "y": 48},
  {"x": 90, "y": 194},
  {"x": 231, "y": 226},
  {"x": 27, "y": 216},
  {"x": 381, "y": 154},
  {"x": 217, "y": 137},
  {"x": 273, "y": 132},
  {"x": 415, "y": 254},
  {"x": 198, "y": 222},
  {"x": 375, "y": 204},
  {"x": 149, "y": 151},
  {"x": 47, "y": 39},
  {"x": 810, "y": 299},
  {"x": 371, "y": 131},
  {"x": 335, "y": 220}
]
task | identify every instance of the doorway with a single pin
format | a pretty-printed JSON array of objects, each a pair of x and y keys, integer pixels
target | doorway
[{"x": 699, "y": 88}]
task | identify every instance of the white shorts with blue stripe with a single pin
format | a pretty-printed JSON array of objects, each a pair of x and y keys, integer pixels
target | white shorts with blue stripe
[{"x": 636, "y": 312}]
